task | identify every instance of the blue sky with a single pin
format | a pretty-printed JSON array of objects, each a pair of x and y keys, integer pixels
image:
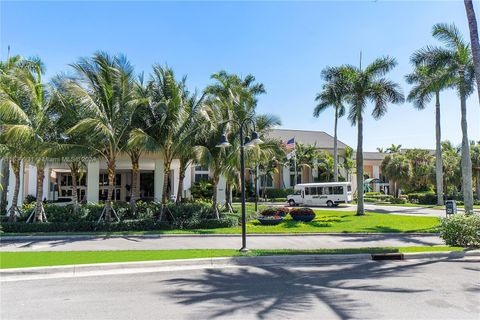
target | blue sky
[{"x": 284, "y": 44}]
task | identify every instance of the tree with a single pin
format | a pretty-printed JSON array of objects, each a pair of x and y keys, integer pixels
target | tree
[
  {"x": 348, "y": 162},
  {"x": 421, "y": 162},
  {"x": 394, "y": 148},
  {"x": 27, "y": 121},
  {"x": 397, "y": 167},
  {"x": 332, "y": 95},
  {"x": 472, "y": 25},
  {"x": 361, "y": 87},
  {"x": 452, "y": 176},
  {"x": 428, "y": 83},
  {"x": 456, "y": 59},
  {"x": 475, "y": 153},
  {"x": 103, "y": 89}
]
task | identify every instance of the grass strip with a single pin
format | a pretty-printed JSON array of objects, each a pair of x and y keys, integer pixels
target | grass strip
[{"x": 58, "y": 258}]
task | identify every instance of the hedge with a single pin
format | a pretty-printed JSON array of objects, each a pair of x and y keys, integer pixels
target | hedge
[
  {"x": 278, "y": 192},
  {"x": 461, "y": 230},
  {"x": 422, "y": 198}
]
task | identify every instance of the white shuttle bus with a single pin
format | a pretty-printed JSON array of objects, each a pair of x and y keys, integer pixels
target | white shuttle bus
[{"x": 329, "y": 194}]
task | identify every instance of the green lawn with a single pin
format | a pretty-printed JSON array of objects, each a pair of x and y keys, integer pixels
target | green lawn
[
  {"x": 325, "y": 221},
  {"x": 52, "y": 258}
]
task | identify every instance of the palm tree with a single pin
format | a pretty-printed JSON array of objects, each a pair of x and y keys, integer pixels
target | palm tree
[
  {"x": 103, "y": 89},
  {"x": 456, "y": 59},
  {"x": 306, "y": 157},
  {"x": 452, "y": 176},
  {"x": 397, "y": 167},
  {"x": 394, "y": 148},
  {"x": 27, "y": 121},
  {"x": 428, "y": 84},
  {"x": 348, "y": 162},
  {"x": 363, "y": 86},
  {"x": 475, "y": 152},
  {"x": 332, "y": 95},
  {"x": 472, "y": 25}
]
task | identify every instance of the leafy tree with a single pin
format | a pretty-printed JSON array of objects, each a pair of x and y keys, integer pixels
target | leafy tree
[
  {"x": 421, "y": 162},
  {"x": 456, "y": 59}
]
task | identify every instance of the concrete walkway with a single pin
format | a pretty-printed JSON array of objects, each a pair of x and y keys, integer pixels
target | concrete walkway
[{"x": 221, "y": 242}]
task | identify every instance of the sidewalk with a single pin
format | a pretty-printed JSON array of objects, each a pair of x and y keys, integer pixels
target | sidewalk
[{"x": 301, "y": 241}]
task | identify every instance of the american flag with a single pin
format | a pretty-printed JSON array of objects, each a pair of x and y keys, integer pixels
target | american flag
[{"x": 290, "y": 144}]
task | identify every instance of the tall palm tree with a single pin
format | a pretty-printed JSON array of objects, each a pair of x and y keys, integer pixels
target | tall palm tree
[
  {"x": 26, "y": 118},
  {"x": 472, "y": 25},
  {"x": 475, "y": 152},
  {"x": 363, "y": 86},
  {"x": 394, "y": 148},
  {"x": 103, "y": 89},
  {"x": 456, "y": 59},
  {"x": 426, "y": 85},
  {"x": 332, "y": 95}
]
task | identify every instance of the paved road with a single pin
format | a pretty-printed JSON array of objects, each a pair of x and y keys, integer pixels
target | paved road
[
  {"x": 223, "y": 242},
  {"x": 372, "y": 290}
]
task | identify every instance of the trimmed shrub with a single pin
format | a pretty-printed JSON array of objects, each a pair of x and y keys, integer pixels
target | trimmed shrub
[
  {"x": 275, "y": 211},
  {"x": 461, "y": 230},
  {"x": 302, "y": 214},
  {"x": 422, "y": 198},
  {"x": 398, "y": 201},
  {"x": 272, "y": 193}
]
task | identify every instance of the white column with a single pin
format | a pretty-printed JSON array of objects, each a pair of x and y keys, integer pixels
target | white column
[
  {"x": 286, "y": 176},
  {"x": 158, "y": 178},
  {"x": 46, "y": 183},
  {"x": 11, "y": 187},
  {"x": 93, "y": 172},
  {"x": 187, "y": 182},
  {"x": 175, "y": 180},
  {"x": 3, "y": 162},
  {"x": 221, "y": 186},
  {"x": 32, "y": 180}
]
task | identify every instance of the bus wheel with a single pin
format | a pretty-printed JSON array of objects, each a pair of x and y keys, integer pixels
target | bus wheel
[
  {"x": 291, "y": 203},
  {"x": 329, "y": 203}
]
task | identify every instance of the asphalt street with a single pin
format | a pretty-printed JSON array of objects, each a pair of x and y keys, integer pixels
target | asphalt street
[
  {"x": 418, "y": 289},
  {"x": 222, "y": 242}
]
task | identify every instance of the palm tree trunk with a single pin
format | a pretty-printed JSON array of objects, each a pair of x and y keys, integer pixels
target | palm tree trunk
[
  {"x": 39, "y": 201},
  {"x": 111, "y": 189},
  {"x": 181, "y": 178},
  {"x": 74, "y": 174},
  {"x": 166, "y": 174},
  {"x": 360, "y": 204},
  {"x": 472, "y": 25},
  {"x": 215, "y": 180},
  {"x": 134, "y": 196},
  {"x": 4, "y": 182},
  {"x": 335, "y": 151},
  {"x": 228, "y": 195},
  {"x": 438, "y": 151},
  {"x": 466, "y": 162},
  {"x": 477, "y": 184},
  {"x": 13, "y": 208}
]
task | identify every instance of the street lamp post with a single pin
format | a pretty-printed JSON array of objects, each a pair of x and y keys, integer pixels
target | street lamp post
[{"x": 247, "y": 142}]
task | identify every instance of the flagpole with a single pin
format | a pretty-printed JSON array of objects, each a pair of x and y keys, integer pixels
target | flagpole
[{"x": 295, "y": 162}]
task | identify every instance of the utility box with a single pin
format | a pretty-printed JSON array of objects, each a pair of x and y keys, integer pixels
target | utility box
[{"x": 451, "y": 207}]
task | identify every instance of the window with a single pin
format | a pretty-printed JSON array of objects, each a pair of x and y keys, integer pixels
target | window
[
  {"x": 268, "y": 182},
  {"x": 320, "y": 190},
  {"x": 349, "y": 188},
  {"x": 298, "y": 192},
  {"x": 307, "y": 191},
  {"x": 103, "y": 179},
  {"x": 118, "y": 179},
  {"x": 338, "y": 190},
  {"x": 201, "y": 177},
  {"x": 313, "y": 191},
  {"x": 201, "y": 173},
  {"x": 326, "y": 190}
]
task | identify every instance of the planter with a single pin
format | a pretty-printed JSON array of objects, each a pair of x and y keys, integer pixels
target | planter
[
  {"x": 303, "y": 217},
  {"x": 270, "y": 221},
  {"x": 275, "y": 211}
]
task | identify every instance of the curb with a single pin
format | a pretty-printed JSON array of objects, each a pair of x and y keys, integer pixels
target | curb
[
  {"x": 147, "y": 236},
  {"x": 98, "y": 269}
]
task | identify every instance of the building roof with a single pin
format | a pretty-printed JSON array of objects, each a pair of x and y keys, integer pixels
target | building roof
[
  {"x": 371, "y": 155},
  {"x": 319, "y": 138}
]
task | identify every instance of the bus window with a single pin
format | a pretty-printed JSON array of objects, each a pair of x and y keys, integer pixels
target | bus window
[
  {"x": 320, "y": 190},
  {"x": 313, "y": 191},
  {"x": 338, "y": 190},
  {"x": 349, "y": 188},
  {"x": 298, "y": 192},
  {"x": 325, "y": 190},
  {"x": 307, "y": 191},
  {"x": 330, "y": 190}
]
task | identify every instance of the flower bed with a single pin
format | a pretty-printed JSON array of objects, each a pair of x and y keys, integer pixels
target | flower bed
[
  {"x": 270, "y": 220},
  {"x": 275, "y": 211},
  {"x": 302, "y": 214}
]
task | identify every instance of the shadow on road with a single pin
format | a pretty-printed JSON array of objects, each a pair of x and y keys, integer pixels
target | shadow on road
[{"x": 285, "y": 291}]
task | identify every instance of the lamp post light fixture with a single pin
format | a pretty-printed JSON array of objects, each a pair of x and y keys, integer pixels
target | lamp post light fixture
[{"x": 244, "y": 143}]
